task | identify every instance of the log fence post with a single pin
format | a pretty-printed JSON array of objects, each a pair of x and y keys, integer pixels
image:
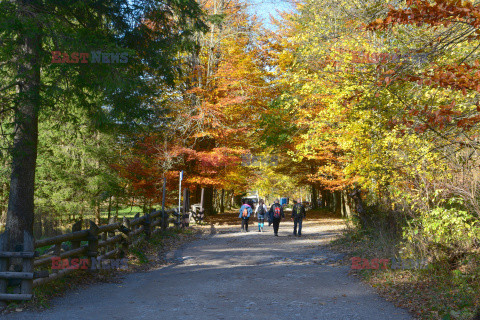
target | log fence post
[
  {"x": 125, "y": 238},
  {"x": 111, "y": 234},
  {"x": 27, "y": 264},
  {"x": 92, "y": 251},
  {"x": 77, "y": 226},
  {"x": 3, "y": 267},
  {"x": 147, "y": 226}
]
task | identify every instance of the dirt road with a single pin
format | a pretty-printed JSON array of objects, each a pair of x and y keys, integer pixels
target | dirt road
[{"x": 234, "y": 275}]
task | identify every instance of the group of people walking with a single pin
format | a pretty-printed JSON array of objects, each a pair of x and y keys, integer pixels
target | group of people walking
[{"x": 274, "y": 215}]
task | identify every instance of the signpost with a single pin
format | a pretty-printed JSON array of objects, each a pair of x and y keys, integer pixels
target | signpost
[
  {"x": 180, "y": 196},
  {"x": 164, "y": 224}
]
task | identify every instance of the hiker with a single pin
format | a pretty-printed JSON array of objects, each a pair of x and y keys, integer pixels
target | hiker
[
  {"x": 245, "y": 212},
  {"x": 298, "y": 213},
  {"x": 260, "y": 212},
  {"x": 276, "y": 215},
  {"x": 269, "y": 218}
]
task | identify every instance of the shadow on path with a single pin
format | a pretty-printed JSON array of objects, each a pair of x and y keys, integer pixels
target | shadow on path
[{"x": 234, "y": 275}]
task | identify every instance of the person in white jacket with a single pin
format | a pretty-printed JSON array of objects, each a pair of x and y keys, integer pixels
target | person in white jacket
[{"x": 260, "y": 212}]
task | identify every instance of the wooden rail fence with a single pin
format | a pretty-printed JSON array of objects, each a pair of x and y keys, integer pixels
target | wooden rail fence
[{"x": 97, "y": 242}]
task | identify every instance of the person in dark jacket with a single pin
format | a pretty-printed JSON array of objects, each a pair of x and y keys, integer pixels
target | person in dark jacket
[
  {"x": 245, "y": 212},
  {"x": 298, "y": 214},
  {"x": 276, "y": 215}
]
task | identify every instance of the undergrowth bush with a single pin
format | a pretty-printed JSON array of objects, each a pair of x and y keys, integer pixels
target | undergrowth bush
[{"x": 444, "y": 235}]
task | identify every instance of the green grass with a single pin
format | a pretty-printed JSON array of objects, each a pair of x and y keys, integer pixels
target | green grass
[
  {"x": 128, "y": 212},
  {"x": 142, "y": 258},
  {"x": 42, "y": 250}
]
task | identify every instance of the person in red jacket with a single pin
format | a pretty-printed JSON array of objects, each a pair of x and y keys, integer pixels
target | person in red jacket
[{"x": 276, "y": 215}]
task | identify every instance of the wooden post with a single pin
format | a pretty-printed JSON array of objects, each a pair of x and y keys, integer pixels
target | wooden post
[
  {"x": 28, "y": 246},
  {"x": 179, "y": 198},
  {"x": 164, "y": 223},
  {"x": 3, "y": 267},
  {"x": 146, "y": 225},
  {"x": 57, "y": 249},
  {"x": 77, "y": 226},
  {"x": 126, "y": 223},
  {"x": 125, "y": 240},
  {"x": 92, "y": 238},
  {"x": 186, "y": 206},
  {"x": 135, "y": 227},
  {"x": 111, "y": 234},
  {"x": 104, "y": 249},
  {"x": 201, "y": 199}
]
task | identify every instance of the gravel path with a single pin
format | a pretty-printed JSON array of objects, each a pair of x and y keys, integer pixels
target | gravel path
[{"x": 234, "y": 275}]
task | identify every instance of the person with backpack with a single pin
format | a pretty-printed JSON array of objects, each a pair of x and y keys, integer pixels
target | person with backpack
[
  {"x": 269, "y": 218},
  {"x": 298, "y": 213},
  {"x": 276, "y": 215},
  {"x": 245, "y": 212},
  {"x": 260, "y": 211}
]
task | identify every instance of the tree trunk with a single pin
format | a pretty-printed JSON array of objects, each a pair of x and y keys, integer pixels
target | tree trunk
[
  {"x": 97, "y": 212},
  {"x": 337, "y": 199},
  {"x": 324, "y": 198},
  {"x": 346, "y": 210},
  {"x": 215, "y": 200},
  {"x": 116, "y": 208},
  {"x": 20, "y": 211},
  {"x": 3, "y": 203},
  {"x": 222, "y": 197},
  {"x": 197, "y": 195},
  {"x": 109, "y": 208},
  {"x": 331, "y": 203},
  {"x": 314, "y": 198},
  {"x": 186, "y": 200},
  {"x": 208, "y": 200}
]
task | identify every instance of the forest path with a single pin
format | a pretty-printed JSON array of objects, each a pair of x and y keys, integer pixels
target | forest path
[{"x": 234, "y": 275}]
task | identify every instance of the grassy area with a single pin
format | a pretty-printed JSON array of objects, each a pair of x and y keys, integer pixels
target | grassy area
[
  {"x": 431, "y": 293},
  {"x": 42, "y": 250},
  {"x": 128, "y": 212}
]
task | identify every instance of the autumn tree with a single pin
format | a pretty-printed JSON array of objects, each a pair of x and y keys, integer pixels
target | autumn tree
[{"x": 211, "y": 119}]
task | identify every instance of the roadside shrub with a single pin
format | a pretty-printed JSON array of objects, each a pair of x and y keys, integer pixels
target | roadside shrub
[{"x": 445, "y": 235}]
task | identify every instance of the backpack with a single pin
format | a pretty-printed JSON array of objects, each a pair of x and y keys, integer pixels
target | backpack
[
  {"x": 277, "y": 212},
  {"x": 297, "y": 211},
  {"x": 245, "y": 212},
  {"x": 261, "y": 210}
]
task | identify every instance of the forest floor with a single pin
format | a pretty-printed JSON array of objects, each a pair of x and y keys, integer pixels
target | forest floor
[{"x": 227, "y": 274}]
